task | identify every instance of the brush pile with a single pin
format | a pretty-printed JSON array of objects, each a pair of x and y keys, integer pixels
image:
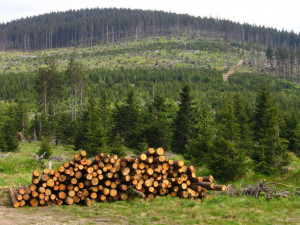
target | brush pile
[{"x": 110, "y": 178}]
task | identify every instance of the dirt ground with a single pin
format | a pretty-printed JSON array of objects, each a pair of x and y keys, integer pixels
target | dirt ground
[{"x": 49, "y": 215}]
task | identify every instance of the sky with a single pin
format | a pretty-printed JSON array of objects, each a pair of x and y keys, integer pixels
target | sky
[{"x": 280, "y": 14}]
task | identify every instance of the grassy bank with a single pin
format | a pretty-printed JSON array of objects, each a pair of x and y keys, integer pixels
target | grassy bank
[{"x": 221, "y": 209}]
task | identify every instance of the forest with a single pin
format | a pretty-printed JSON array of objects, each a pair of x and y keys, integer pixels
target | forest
[
  {"x": 121, "y": 81},
  {"x": 88, "y": 27},
  {"x": 250, "y": 123}
]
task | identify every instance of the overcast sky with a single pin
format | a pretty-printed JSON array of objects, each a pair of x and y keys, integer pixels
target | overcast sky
[{"x": 272, "y": 13}]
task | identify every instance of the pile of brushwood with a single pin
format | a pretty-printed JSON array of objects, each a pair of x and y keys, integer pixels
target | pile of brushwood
[{"x": 110, "y": 178}]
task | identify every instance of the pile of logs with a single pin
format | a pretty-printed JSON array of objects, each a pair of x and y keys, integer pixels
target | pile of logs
[{"x": 109, "y": 178}]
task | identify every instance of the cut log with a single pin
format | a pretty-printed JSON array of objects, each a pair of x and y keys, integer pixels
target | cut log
[
  {"x": 13, "y": 199},
  {"x": 34, "y": 202}
]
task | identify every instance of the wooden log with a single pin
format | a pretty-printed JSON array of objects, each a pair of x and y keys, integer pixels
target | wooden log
[
  {"x": 88, "y": 202},
  {"x": 62, "y": 195},
  {"x": 113, "y": 192},
  {"x": 178, "y": 164},
  {"x": 105, "y": 191},
  {"x": 48, "y": 192},
  {"x": 41, "y": 196},
  {"x": 209, "y": 178},
  {"x": 71, "y": 193},
  {"x": 219, "y": 187},
  {"x": 61, "y": 169},
  {"x": 69, "y": 200},
  {"x": 62, "y": 178},
  {"x": 50, "y": 182},
  {"x": 159, "y": 151},
  {"x": 196, "y": 179},
  {"x": 22, "y": 203},
  {"x": 102, "y": 198},
  {"x": 123, "y": 196},
  {"x": 59, "y": 201},
  {"x": 206, "y": 185},
  {"x": 34, "y": 202},
  {"x": 35, "y": 173},
  {"x": 13, "y": 199},
  {"x": 74, "y": 181},
  {"x": 142, "y": 157},
  {"x": 140, "y": 194},
  {"x": 76, "y": 199},
  {"x": 35, "y": 181},
  {"x": 149, "y": 152},
  {"x": 93, "y": 195},
  {"x": 125, "y": 171},
  {"x": 70, "y": 187},
  {"x": 159, "y": 159},
  {"x": 83, "y": 153}
]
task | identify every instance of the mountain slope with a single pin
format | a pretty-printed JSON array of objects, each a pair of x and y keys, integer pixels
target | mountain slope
[{"x": 87, "y": 27}]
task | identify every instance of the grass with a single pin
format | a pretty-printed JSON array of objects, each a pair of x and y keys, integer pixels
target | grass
[
  {"x": 149, "y": 52},
  {"x": 221, "y": 209}
]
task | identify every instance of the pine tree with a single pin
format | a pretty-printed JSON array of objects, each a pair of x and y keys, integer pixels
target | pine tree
[{"x": 183, "y": 121}]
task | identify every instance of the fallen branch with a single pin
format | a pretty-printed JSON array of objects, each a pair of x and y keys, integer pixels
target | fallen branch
[{"x": 140, "y": 194}]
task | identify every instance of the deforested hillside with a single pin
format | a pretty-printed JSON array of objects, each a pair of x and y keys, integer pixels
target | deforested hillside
[{"x": 87, "y": 27}]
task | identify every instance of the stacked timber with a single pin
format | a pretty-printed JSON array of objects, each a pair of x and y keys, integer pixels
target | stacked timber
[{"x": 110, "y": 178}]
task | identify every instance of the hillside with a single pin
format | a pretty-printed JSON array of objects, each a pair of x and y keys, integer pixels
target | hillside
[{"x": 87, "y": 27}]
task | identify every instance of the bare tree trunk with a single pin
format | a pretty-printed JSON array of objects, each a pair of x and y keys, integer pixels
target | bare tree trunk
[
  {"x": 75, "y": 105},
  {"x": 81, "y": 98}
]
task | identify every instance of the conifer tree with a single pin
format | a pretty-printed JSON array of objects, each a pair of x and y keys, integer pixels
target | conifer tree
[
  {"x": 227, "y": 159},
  {"x": 159, "y": 130},
  {"x": 183, "y": 122},
  {"x": 45, "y": 149},
  {"x": 126, "y": 121},
  {"x": 10, "y": 135},
  {"x": 199, "y": 148},
  {"x": 271, "y": 151},
  {"x": 90, "y": 134}
]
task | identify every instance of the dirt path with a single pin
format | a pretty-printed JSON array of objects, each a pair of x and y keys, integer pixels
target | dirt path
[{"x": 232, "y": 70}]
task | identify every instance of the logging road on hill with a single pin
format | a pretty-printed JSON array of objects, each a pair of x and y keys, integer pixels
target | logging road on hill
[{"x": 232, "y": 70}]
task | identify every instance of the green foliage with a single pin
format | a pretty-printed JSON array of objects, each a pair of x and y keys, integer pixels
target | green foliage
[
  {"x": 118, "y": 148},
  {"x": 183, "y": 122},
  {"x": 271, "y": 151},
  {"x": 127, "y": 122},
  {"x": 199, "y": 148},
  {"x": 227, "y": 157},
  {"x": 45, "y": 149},
  {"x": 90, "y": 134}
]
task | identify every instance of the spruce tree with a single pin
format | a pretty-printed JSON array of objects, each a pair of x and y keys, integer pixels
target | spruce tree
[
  {"x": 10, "y": 135},
  {"x": 45, "y": 149},
  {"x": 158, "y": 132},
  {"x": 126, "y": 122},
  {"x": 90, "y": 134},
  {"x": 199, "y": 148},
  {"x": 183, "y": 122},
  {"x": 271, "y": 150},
  {"x": 227, "y": 158}
]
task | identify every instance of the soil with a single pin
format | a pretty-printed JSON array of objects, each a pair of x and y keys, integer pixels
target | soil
[{"x": 232, "y": 70}]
